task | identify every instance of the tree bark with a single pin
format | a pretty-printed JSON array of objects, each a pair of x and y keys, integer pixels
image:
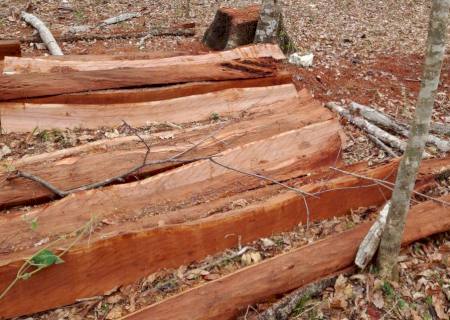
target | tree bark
[
  {"x": 270, "y": 28},
  {"x": 407, "y": 172},
  {"x": 44, "y": 33}
]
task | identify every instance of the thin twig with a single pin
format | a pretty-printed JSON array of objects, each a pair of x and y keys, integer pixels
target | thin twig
[
  {"x": 389, "y": 185},
  {"x": 303, "y": 193}
]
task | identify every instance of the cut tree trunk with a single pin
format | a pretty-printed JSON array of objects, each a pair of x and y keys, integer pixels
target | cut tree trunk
[
  {"x": 97, "y": 161},
  {"x": 231, "y": 294},
  {"x": 23, "y": 117},
  {"x": 271, "y": 27},
  {"x": 9, "y": 48},
  {"x": 232, "y": 27},
  {"x": 161, "y": 93},
  {"x": 44, "y": 33},
  {"x": 44, "y": 65},
  {"x": 38, "y": 85},
  {"x": 95, "y": 260}
]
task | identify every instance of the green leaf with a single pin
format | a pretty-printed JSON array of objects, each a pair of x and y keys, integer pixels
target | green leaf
[
  {"x": 34, "y": 224},
  {"x": 45, "y": 258}
]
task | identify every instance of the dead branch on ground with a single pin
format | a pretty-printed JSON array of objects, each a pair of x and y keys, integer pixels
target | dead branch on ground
[
  {"x": 282, "y": 309},
  {"x": 44, "y": 33}
]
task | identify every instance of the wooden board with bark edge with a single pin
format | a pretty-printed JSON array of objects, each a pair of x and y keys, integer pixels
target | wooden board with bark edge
[
  {"x": 226, "y": 297},
  {"x": 47, "y": 84},
  {"x": 96, "y": 161},
  {"x": 160, "y": 93},
  {"x": 101, "y": 263},
  {"x": 280, "y": 156},
  {"x": 13, "y": 65},
  {"x": 23, "y": 117}
]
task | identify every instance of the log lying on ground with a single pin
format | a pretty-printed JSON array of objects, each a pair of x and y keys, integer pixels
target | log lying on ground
[
  {"x": 231, "y": 294},
  {"x": 101, "y": 259},
  {"x": 232, "y": 27},
  {"x": 389, "y": 123},
  {"x": 120, "y": 18},
  {"x": 24, "y": 117},
  {"x": 285, "y": 155},
  {"x": 75, "y": 167},
  {"x": 38, "y": 65},
  {"x": 440, "y": 128},
  {"x": 163, "y": 93},
  {"x": 364, "y": 125},
  {"x": 44, "y": 33},
  {"x": 9, "y": 48},
  {"x": 39, "y": 85}
]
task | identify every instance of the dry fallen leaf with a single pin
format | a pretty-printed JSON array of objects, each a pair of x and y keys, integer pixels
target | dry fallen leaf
[{"x": 249, "y": 258}]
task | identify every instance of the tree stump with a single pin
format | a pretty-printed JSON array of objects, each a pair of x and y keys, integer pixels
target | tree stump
[{"x": 232, "y": 27}]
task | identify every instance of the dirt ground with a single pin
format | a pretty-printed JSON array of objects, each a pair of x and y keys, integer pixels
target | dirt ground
[{"x": 370, "y": 52}]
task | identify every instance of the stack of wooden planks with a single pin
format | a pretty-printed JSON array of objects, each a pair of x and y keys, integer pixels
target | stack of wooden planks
[{"x": 239, "y": 131}]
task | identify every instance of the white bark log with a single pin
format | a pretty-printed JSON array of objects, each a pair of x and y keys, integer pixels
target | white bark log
[
  {"x": 44, "y": 33},
  {"x": 369, "y": 245},
  {"x": 387, "y": 122},
  {"x": 120, "y": 18},
  {"x": 440, "y": 128},
  {"x": 370, "y": 128},
  {"x": 383, "y": 146}
]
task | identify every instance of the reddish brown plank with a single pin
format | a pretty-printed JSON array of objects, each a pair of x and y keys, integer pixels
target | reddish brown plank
[
  {"x": 38, "y": 65},
  {"x": 163, "y": 93},
  {"x": 224, "y": 298},
  {"x": 97, "y": 161},
  {"x": 38, "y": 85},
  {"x": 101, "y": 264},
  {"x": 20, "y": 117}
]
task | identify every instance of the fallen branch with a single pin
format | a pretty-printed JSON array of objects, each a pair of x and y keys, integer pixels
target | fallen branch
[
  {"x": 370, "y": 128},
  {"x": 369, "y": 245},
  {"x": 382, "y": 145},
  {"x": 120, "y": 18},
  {"x": 282, "y": 309},
  {"x": 389, "y": 123},
  {"x": 440, "y": 128},
  {"x": 44, "y": 33}
]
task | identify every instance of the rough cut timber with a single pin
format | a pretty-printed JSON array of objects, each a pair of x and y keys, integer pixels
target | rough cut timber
[
  {"x": 24, "y": 117},
  {"x": 228, "y": 296},
  {"x": 101, "y": 263},
  {"x": 162, "y": 93},
  {"x": 78, "y": 166},
  {"x": 294, "y": 152},
  {"x": 41, "y": 84},
  {"x": 232, "y": 27},
  {"x": 44, "y": 65},
  {"x": 9, "y": 48}
]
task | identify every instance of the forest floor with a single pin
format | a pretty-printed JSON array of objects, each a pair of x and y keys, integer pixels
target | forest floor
[{"x": 370, "y": 52}]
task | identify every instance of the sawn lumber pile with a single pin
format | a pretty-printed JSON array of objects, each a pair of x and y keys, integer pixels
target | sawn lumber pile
[{"x": 242, "y": 142}]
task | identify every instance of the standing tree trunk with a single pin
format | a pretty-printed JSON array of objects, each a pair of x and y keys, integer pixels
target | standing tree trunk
[{"x": 407, "y": 172}]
